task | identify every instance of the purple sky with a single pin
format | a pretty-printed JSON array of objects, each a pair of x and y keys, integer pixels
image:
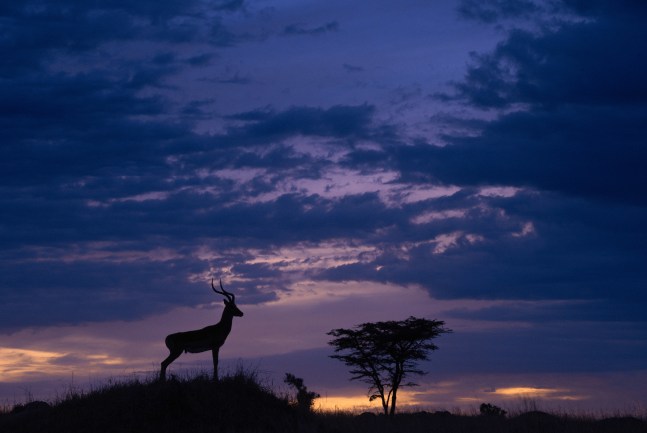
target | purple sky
[{"x": 477, "y": 162}]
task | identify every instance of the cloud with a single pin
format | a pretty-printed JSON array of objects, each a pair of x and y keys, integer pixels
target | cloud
[
  {"x": 298, "y": 29},
  {"x": 229, "y": 5},
  {"x": 83, "y": 101},
  {"x": 491, "y": 253},
  {"x": 207, "y": 199},
  {"x": 587, "y": 153},
  {"x": 338, "y": 121},
  {"x": 352, "y": 68},
  {"x": 495, "y": 10},
  {"x": 576, "y": 100},
  {"x": 568, "y": 136},
  {"x": 112, "y": 196},
  {"x": 37, "y": 30},
  {"x": 576, "y": 64}
]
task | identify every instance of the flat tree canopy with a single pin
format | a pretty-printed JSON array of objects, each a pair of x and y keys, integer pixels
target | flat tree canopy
[{"x": 383, "y": 354}]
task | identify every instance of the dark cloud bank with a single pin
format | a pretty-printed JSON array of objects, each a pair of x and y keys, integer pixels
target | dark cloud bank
[{"x": 108, "y": 195}]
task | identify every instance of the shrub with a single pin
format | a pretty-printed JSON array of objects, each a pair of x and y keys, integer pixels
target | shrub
[
  {"x": 488, "y": 409},
  {"x": 304, "y": 398}
]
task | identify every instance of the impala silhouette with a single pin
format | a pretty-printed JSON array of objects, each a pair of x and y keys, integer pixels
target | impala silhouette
[{"x": 208, "y": 338}]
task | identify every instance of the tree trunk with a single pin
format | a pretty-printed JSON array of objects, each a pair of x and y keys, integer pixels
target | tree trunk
[
  {"x": 385, "y": 404},
  {"x": 399, "y": 370}
]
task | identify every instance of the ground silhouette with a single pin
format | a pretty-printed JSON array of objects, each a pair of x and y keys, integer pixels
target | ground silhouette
[{"x": 238, "y": 403}]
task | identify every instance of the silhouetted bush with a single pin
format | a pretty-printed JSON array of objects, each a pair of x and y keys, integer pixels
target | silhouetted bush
[
  {"x": 488, "y": 409},
  {"x": 304, "y": 399},
  {"x": 32, "y": 406}
]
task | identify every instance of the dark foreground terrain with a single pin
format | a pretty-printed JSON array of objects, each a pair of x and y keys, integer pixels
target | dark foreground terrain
[{"x": 239, "y": 404}]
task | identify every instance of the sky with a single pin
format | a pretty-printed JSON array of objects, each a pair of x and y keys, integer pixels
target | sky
[{"x": 335, "y": 163}]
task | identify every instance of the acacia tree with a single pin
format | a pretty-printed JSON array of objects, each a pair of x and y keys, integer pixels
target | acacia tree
[{"x": 383, "y": 354}]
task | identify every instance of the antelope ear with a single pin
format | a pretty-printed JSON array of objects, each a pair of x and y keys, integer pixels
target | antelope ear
[{"x": 226, "y": 302}]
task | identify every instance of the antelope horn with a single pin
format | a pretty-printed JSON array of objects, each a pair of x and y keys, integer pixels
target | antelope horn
[{"x": 229, "y": 296}]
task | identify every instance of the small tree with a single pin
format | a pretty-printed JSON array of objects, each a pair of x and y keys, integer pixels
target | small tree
[
  {"x": 304, "y": 398},
  {"x": 488, "y": 409},
  {"x": 383, "y": 354}
]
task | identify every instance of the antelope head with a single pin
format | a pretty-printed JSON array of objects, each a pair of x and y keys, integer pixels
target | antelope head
[{"x": 230, "y": 302}]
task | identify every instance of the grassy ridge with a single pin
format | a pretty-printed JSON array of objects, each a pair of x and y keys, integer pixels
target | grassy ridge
[
  {"x": 235, "y": 404},
  {"x": 238, "y": 403}
]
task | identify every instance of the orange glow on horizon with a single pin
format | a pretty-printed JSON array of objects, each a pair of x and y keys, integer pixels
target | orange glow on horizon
[
  {"x": 542, "y": 393},
  {"x": 526, "y": 391},
  {"x": 347, "y": 403},
  {"x": 18, "y": 364},
  {"x": 360, "y": 403},
  {"x": 102, "y": 359}
]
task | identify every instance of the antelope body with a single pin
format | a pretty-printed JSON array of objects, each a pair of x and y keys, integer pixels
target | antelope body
[{"x": 208, "y": 338}]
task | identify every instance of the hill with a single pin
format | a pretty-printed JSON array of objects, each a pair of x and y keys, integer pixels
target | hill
[
  {"x": 239, "y": 403},
  {"x": 235, "y": 404}
]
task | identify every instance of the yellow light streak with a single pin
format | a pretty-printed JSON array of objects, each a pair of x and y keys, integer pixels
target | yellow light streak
[
  {"x": 526, "y": 391},
  {"x": 547, "y": 393},
  {"x": 361, "y": 403},
  {"x": 343, "y": 403},
  {"x": 17, "y": 364},
  {"x": 102, "y": 359}
]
